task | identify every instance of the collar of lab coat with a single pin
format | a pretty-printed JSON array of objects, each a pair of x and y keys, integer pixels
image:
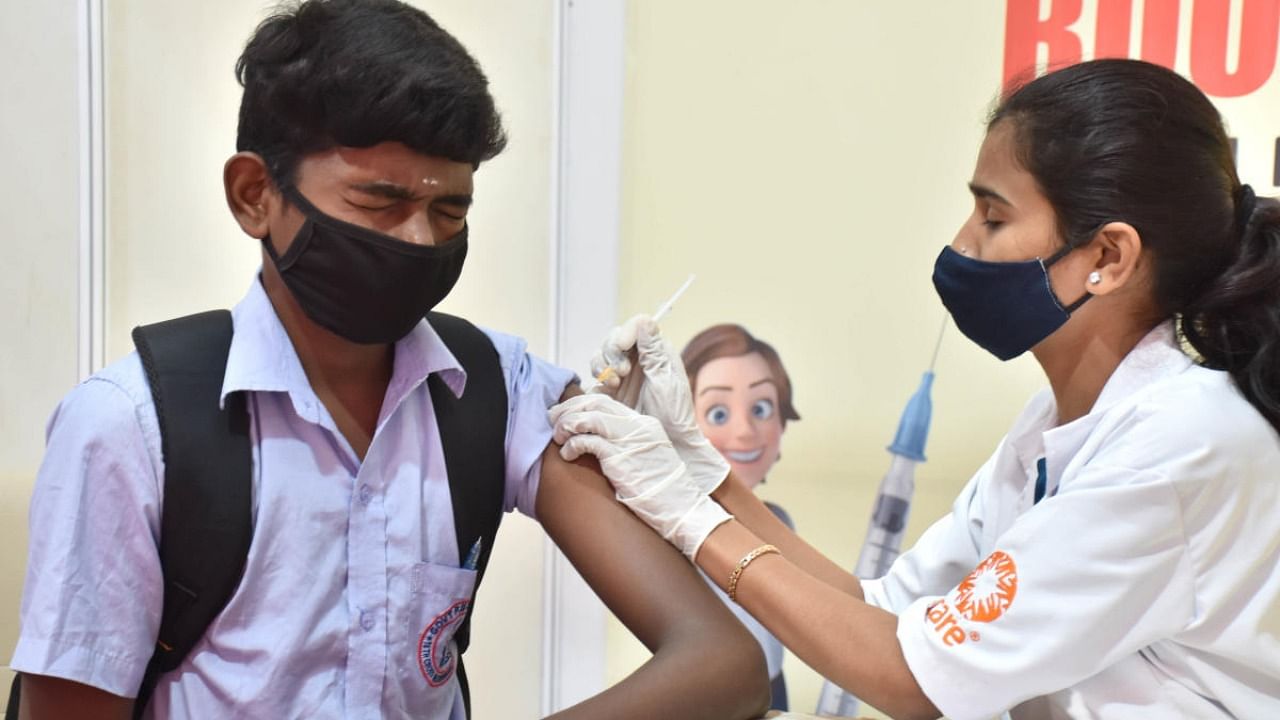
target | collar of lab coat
[{"x": 1155, "y": 357}]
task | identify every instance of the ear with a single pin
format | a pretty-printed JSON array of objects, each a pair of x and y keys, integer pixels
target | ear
[
  {"x": 251, "y": 194},
  {"x": 1118, "y": 252}
]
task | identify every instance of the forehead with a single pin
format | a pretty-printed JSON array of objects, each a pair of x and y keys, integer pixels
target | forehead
[
  {"x": 390, "y": 162},
  {"x": 998, "y": 168},
  {"x": 737, "y": 373}
]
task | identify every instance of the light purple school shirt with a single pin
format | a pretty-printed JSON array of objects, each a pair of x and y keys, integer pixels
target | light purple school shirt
[{"x": 351, "y": 591}]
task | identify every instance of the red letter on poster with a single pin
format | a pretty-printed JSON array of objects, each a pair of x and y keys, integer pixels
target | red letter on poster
[
  {"x": 1024, "y": 31},
  {"x": 1160, "y": 32},
  {"x": 1111, "y": 39},
  {"x": 1259, "y": 27}
]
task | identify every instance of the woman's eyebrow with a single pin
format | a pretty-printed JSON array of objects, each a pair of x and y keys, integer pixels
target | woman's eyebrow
[{"x": 981, "y": 191}]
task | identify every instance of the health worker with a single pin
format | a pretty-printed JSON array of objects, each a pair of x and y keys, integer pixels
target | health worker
[{"x": 1118, "y": 553}]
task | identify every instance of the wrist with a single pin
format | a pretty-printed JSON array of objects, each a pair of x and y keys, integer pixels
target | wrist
[
  {"x": 727, "y": 490},
  {"x": 696, "y": 525}
]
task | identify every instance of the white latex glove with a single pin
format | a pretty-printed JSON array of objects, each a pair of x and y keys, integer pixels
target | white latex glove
[
  {"x": 646, "y": 473},
  {"x": 664, "y": 393}
]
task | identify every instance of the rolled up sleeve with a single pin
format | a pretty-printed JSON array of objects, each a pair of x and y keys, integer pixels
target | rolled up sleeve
[{"x": 533, "y": 386}]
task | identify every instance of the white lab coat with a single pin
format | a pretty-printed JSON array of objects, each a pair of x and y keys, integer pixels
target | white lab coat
[{"x": 1137, "y": 587}]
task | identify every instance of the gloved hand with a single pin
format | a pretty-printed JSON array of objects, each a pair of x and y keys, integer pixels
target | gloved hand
[
  {"x": 664, "y": 393},
  {"x": 646, "y": 473}
]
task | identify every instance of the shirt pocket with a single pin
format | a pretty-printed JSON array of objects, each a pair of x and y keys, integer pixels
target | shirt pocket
[{"x": 439, "y": 601}]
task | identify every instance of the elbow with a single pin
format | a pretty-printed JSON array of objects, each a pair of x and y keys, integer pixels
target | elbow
[
  {"x": 748, "y": 672},
  {"x": 733, "y": 677},
  {"x": 913, "y": 705},
  {"x": 919, "y": 713}
]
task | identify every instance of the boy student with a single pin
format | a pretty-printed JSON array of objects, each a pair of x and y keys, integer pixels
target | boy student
[{"x": 361, "y": 124}]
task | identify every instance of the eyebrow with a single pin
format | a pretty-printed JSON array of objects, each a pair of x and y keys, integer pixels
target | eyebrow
[
  {"x": 463, "y": 201},
  {"x": 726, "y": 388},
  {"x": 392, "y": 191},
  {"x": 981, "y": 191}
]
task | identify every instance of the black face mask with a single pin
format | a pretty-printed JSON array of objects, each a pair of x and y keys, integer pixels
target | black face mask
[{"x": 365, "y": 286}]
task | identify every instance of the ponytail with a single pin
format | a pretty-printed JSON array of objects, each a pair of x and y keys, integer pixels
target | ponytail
[{"x": 1235, "y": 324}]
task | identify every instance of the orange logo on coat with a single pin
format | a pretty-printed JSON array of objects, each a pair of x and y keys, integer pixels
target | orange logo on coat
[{"x": 989, "y": 590}]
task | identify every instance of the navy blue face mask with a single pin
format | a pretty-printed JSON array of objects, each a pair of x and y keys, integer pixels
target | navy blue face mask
[{"x": 1005, "y": 307}]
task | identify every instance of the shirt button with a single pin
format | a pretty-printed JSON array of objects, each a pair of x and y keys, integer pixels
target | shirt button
[
  {"x": 365, "y": 494},
  {"x": 366, "y": 620}
]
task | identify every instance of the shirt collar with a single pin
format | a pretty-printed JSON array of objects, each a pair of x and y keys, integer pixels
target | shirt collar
[{"x": 263, "y": 359}]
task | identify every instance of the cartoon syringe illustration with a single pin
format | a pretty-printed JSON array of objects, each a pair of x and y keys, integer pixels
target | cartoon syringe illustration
[{"x": 889, "y": 518}]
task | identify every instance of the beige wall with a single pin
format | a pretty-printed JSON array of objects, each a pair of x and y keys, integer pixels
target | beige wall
[
  {"x": 808, "y": 161},
  {"x": 38, "y": 140},
  {"x": 172, "y": 247}
]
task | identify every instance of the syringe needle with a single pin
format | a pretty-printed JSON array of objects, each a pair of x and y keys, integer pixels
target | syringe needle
[
  {"x": 665, "y": 307},
  {"x": 938, "y": 345}
]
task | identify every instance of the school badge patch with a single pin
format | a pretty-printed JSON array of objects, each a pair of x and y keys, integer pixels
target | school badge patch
[{"x": 435, "y": 657}]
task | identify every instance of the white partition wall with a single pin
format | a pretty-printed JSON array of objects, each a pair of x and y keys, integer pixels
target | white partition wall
[{"x": 43, "y": 227}]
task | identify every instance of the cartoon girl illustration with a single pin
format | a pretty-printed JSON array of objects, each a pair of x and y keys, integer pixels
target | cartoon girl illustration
[{"x": 742, "y": 402}]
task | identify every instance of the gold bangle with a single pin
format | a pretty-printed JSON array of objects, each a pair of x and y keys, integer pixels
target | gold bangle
[{"x": 742, "y": 565}]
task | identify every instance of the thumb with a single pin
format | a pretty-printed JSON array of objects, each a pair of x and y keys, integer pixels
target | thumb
[
  {"x": 618, "y": 344},
  {"x": 655, "y": 352}
]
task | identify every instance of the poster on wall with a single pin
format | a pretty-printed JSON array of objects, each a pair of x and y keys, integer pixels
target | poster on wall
[{"x": 1228, "y": 48}]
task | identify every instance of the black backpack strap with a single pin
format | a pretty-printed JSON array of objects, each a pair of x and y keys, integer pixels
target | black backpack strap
[
  {"x": 473, "y": 432},
  {"x": 205, "y": 525},
  {"x": 15, "y": 694}
]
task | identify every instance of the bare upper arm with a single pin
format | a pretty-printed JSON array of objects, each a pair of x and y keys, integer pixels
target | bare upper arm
[
  {"x": 645, "y": 581},
  {"x": 50, "y": 698}
]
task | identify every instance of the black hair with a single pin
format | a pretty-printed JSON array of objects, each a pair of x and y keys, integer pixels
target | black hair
[
  {"x": 1125, "y": 140},
  {"x": 324, "y": 73}
]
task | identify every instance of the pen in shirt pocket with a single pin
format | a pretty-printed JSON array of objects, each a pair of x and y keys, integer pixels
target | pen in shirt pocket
[{"x": 473, "y": 557}]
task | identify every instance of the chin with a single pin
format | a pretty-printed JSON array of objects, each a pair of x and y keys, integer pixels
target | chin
[{"x": 751, "y": 479}]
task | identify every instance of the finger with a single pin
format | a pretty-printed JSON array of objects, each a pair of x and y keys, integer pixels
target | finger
[
  {"x": 588, "y": 402},
  {"x": 609, "y": 370},
  {"x": 628, "y": 330},
  {"x": 579, "y": 445},
  {"x": 656, "y": 354},
  {"x": 617, "y": 345},
  {"x": 598, "y": 414},
  {"x": 646, "y": 330},
  {"x": 573, "y": 404},
  {"x": 598, "y": 422}
]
